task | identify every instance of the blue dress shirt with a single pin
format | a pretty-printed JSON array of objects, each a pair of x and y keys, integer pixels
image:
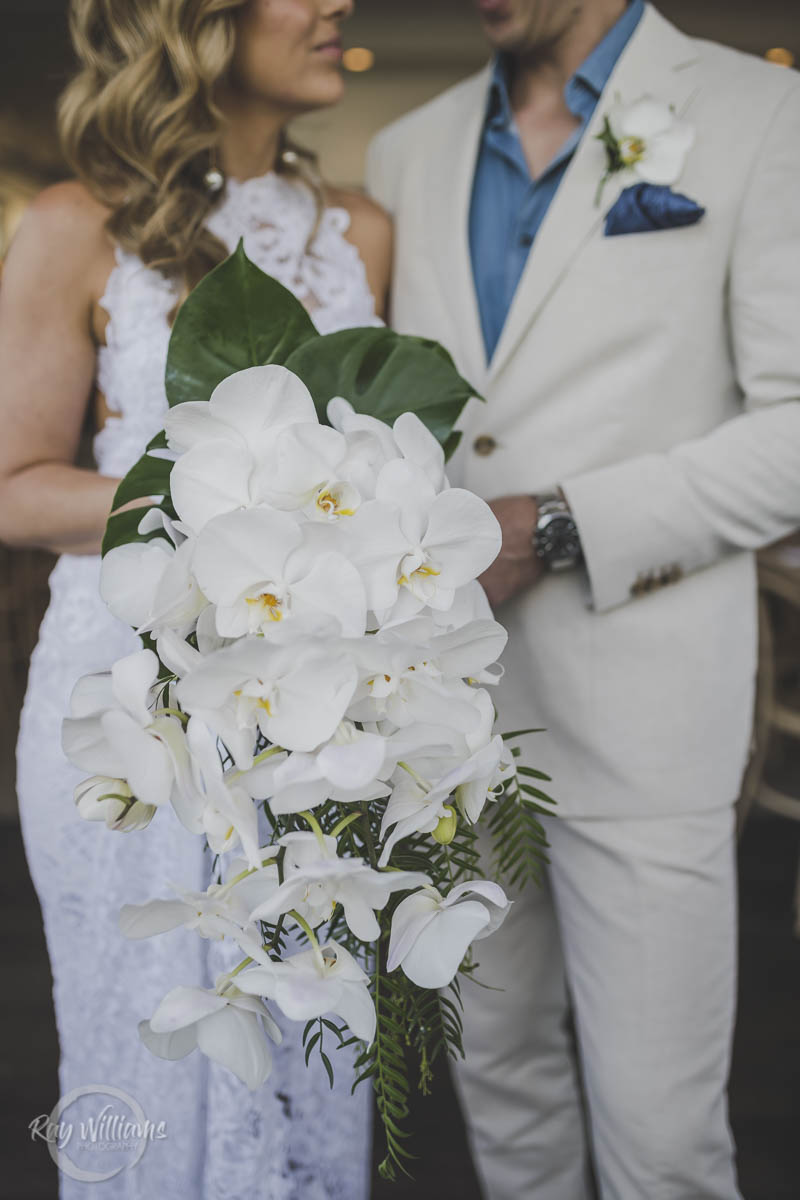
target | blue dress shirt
[{"x": 508, "y": 206}]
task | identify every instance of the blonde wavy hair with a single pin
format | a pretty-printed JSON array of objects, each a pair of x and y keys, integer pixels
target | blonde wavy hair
[{"x": 140, "y": 127}]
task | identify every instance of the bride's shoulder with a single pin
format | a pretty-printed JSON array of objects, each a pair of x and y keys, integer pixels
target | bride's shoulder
[
  {"x": 68, "y": 211},
  {"x": 366, "y": 216},
  {"x": 64, "y": 228},
  {"x": 371, "y": 231}
]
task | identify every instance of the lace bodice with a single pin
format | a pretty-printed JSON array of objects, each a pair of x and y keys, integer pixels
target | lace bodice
[
  {"x": 276, "y": 216},
  {"x": 294, "y": 1139}
]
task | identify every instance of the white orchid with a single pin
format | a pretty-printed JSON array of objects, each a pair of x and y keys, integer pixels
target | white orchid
[
  {"x": 371, "y": 445},
  {"x": 412, "y": 537},
  {"x": 113, "y": 730},
  {"x": 259, "y": 570},
  {"x": 222, "y": 910},
  {"x": 346, "y": 769},
  {"x": 247, "y": 409},
  {"x": 420, "y": 797},
  {"x": 317, "y": 879},
  {"x": 419, "y": 447},
  {"x": 223, "y": 442},
  {"x": 224, "y": 808},
  {"x": 150, "y": 585},
  {"x": 296, "y": 696},
  {"x": 414, "y": 672},
  {"x": 111, "y": 800},
  {"x": 303, "y": 470},
  {"x": 320, "y": 980},
  {"x": 431, "y": 933},
  {"x": 651, "y": 140},
  {"x": 225, "y": 1024}
]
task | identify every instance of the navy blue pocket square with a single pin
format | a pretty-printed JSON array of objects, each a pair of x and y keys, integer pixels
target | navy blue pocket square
[{"x": 646, "y": 207}]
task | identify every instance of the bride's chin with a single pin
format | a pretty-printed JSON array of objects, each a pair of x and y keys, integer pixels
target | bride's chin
[{"x": 325, "y": 86}]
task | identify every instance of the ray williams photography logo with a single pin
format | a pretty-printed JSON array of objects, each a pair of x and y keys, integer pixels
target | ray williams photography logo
[{"x": 93, "y": 1120}]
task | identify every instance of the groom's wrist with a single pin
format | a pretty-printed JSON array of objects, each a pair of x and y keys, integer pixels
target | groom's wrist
[{"x": 556, "y": 541}]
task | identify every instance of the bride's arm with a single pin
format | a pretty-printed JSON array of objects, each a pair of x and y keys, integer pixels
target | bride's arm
[{"x": 52, "y": 277}]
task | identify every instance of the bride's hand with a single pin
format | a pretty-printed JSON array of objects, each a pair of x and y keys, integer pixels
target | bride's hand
[{"x": 516, "y": 567}]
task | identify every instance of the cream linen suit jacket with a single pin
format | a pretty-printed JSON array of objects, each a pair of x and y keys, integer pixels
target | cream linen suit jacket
[{"x": 656, "y": 377}]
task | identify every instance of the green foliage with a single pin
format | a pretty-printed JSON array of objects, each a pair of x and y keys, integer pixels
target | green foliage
[
  {"x": 384, "y": 1062},
  {"x": 148, "y": 478},
  {"x": 123, "y": 528},
  {"x": 237, "y": 317},
  {"x": 519, "y": 842},
  {"x": 314, "y": 1038},
  {"x": 384, "y": 374},
  {"x": 455, "y": 863}
]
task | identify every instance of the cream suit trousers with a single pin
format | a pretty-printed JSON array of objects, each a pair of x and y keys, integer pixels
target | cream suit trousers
[{"x": 635, "y": 927}]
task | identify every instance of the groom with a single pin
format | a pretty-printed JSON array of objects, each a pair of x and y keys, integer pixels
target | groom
[{"x": 641, "y": 437}]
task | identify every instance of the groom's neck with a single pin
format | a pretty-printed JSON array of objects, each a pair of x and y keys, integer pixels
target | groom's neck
[{"x": 545, "y": 66}]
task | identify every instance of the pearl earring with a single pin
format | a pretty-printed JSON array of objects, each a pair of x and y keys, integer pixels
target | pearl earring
[{"x": 214, "y": 180}]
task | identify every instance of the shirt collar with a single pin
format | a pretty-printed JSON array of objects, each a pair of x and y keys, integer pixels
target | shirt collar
[{"x": 594, "y": 72}]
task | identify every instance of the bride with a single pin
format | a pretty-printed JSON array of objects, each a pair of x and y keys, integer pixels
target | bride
[{"x": 175, "y": 127}]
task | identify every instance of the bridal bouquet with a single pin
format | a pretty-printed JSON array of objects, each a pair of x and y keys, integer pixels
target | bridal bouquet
[{"x": 314, "y": 673}]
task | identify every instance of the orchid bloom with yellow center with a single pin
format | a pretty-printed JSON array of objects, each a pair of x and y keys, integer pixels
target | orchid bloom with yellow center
[
  {"x": 266, "y": 605},
  {"x": 652, "y": 141},
  {"x": 260, "y": 567}
]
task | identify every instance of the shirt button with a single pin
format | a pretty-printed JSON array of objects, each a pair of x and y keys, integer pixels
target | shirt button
[
  {"x": 526, "y": 239},
  {"x": 484, "y": 445}
]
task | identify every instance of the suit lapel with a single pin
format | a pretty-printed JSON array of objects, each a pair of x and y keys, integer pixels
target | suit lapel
[
  {"x": 658, "y": 61},
  {"x": 448, "y": 196}
]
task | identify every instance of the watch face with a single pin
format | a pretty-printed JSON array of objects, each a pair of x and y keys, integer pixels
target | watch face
[{"x": 557, "y": 539}]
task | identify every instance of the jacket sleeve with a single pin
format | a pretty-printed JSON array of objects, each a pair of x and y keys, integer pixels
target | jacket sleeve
[{"x": 648, "y": 520}]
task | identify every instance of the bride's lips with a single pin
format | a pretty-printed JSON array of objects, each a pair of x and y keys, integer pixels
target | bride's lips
[{"x": 332, "y": 49}]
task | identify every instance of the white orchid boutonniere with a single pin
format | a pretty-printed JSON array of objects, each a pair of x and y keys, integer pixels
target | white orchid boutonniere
[{"x": 647, "y": 139}]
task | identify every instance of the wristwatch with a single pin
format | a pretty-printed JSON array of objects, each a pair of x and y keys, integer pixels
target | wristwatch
[{"x": 556, "y": 540}]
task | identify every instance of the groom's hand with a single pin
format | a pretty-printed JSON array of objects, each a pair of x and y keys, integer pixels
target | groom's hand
[{"x": 516, "y": 566}]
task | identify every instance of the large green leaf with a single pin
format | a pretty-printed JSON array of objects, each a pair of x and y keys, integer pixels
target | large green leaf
[
  {"x": 384, "y": 373},
  {"x": 237, "y": 317},
  {"x": 123, "y": 528},
  {"x": 148, "y": 477}
]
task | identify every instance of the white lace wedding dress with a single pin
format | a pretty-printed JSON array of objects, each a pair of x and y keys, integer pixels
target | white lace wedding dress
[{"x": 295, "y": 1139}]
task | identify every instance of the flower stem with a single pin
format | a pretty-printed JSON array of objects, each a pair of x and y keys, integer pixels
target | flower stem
[
  {"x": 316, "y": 828},
  {"x": 342, "y": 825},
  {"x": 306, "y": 928},
  {"x": 423, "y": 783},
  {"x": 172, "y": 712},
  {"x": 265, "y": 862},
  {"x": 232, "y": 974},
  {"x": 258, "y": 760}
]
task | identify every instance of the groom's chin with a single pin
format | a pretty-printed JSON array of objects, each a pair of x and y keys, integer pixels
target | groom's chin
[
  {"x": 525, "y": 26},
  {"x": 500, "y": 22}
]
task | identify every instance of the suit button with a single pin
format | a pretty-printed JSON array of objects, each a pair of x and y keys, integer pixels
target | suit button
[
  {"x": 670, "y": 575},
  {"x": 484, "y": 445}
]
